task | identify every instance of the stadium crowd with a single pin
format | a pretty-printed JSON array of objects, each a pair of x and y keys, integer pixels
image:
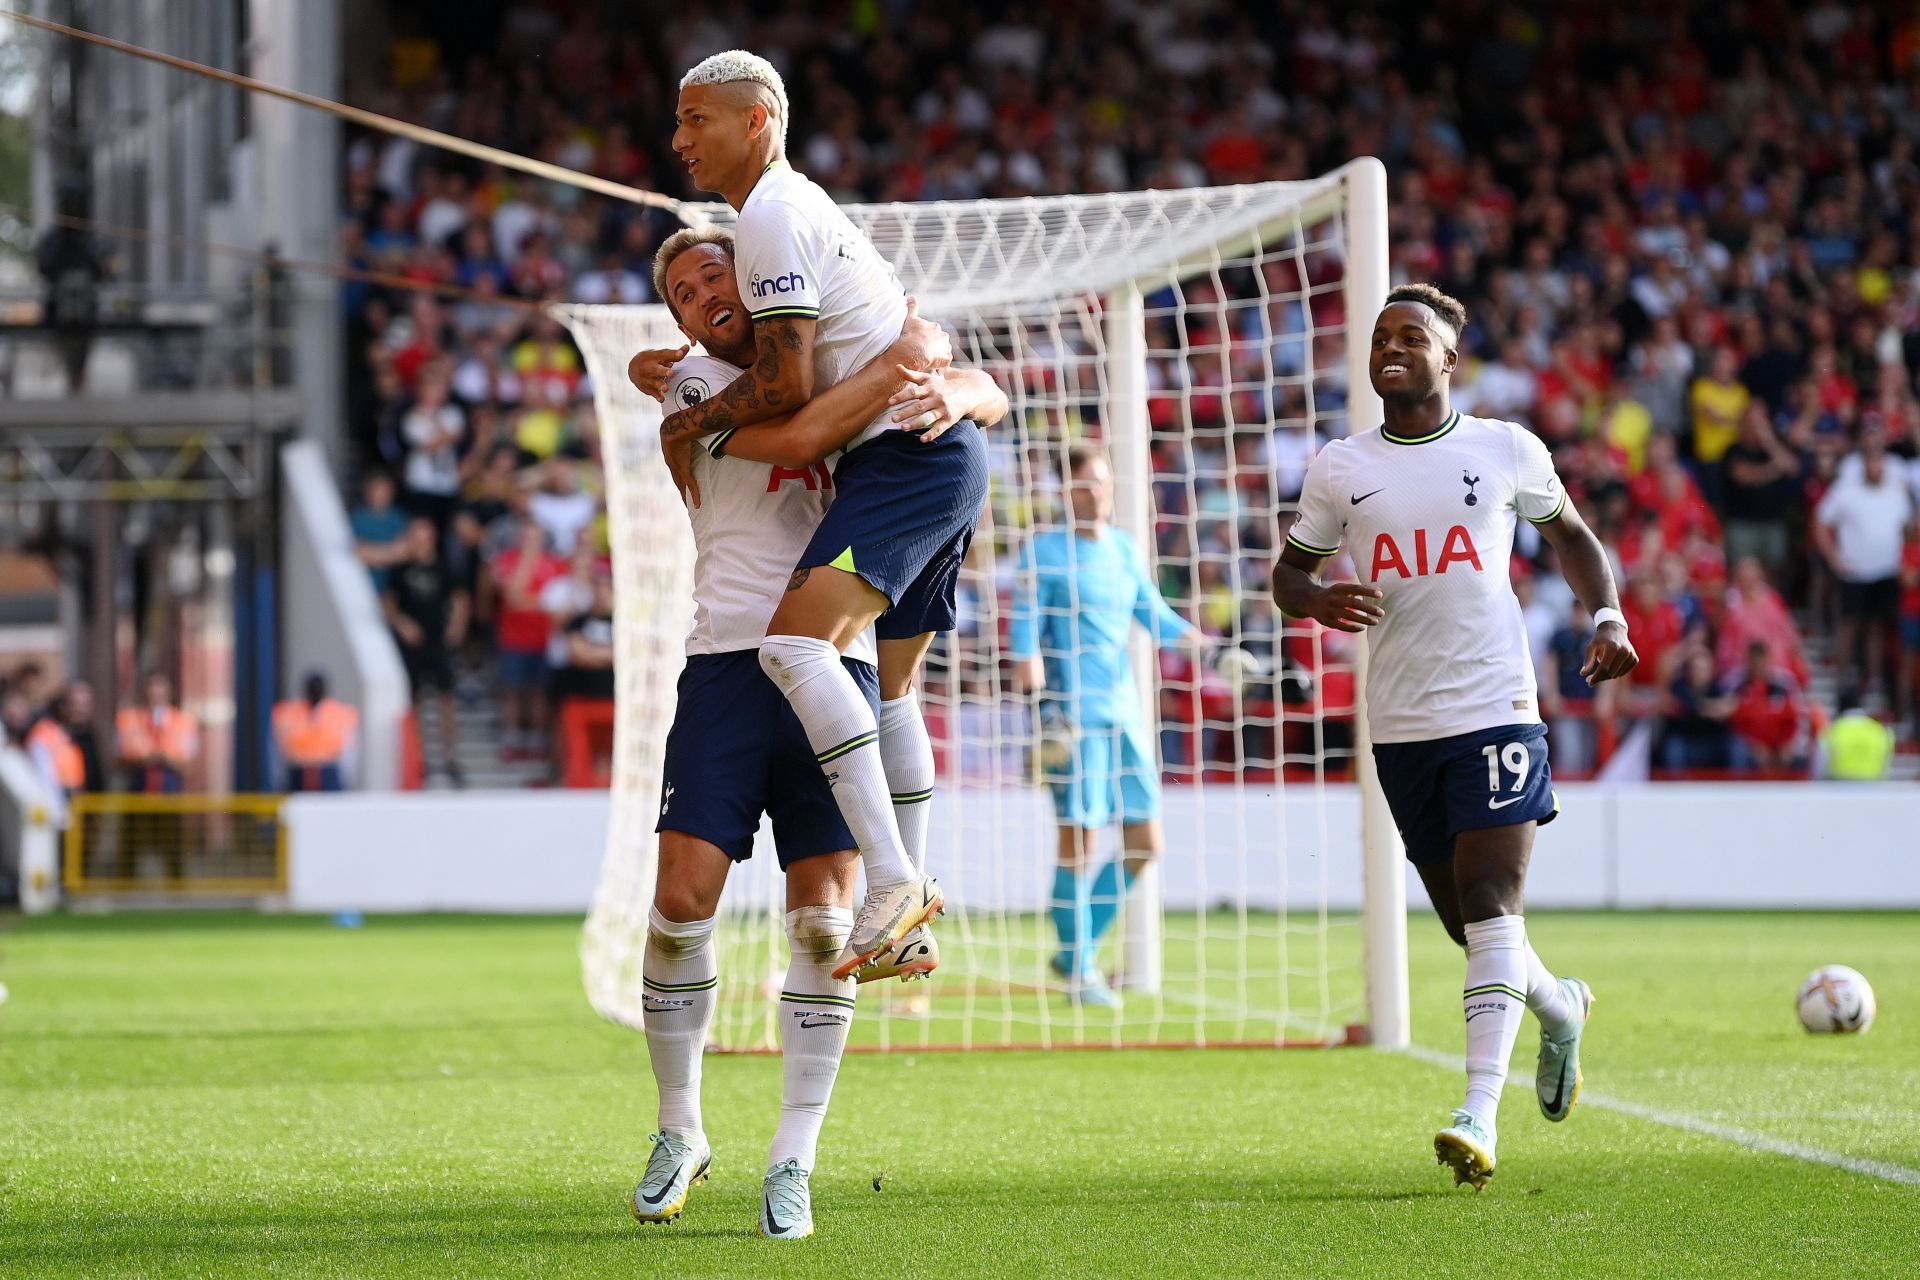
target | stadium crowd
[{"x": 1686, "y": 233}]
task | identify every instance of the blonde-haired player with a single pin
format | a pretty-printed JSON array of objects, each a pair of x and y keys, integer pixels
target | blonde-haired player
[{"x": 887, "y": 555}]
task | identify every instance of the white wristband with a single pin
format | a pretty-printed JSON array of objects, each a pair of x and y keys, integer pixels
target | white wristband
[{"x": 1603, "y": 616}]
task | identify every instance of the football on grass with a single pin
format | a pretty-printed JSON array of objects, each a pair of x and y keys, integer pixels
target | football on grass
[{"x": 1835, "y": 1000}]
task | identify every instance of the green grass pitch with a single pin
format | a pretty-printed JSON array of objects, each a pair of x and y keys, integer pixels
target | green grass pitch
[{"x": 213, "y": 1096}]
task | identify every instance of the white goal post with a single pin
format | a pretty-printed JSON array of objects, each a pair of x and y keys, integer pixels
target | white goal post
[{"x": 1207, "y": 338}]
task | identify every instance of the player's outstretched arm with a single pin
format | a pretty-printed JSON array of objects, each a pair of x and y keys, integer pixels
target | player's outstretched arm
[
  {"x": 1344, "y": 606},
  {"x": 1584, "y": 561},
  {"x": 842, "y": 411}
]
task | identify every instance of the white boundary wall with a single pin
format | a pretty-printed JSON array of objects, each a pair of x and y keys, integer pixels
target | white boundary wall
[{"x": 1713, "y": 845}]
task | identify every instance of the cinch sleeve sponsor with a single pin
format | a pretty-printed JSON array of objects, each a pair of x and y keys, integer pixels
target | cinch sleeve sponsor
[
  {"x": 777, "y": 260},
  {"x": 1537, "y": 492},
  {"x": 1322, "y": 523}
]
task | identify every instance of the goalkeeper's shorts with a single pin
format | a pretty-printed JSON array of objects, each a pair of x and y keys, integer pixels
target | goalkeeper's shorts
[
  {"x": 736, "y": 750},
  {"x": 1112, "y": 773},
  {"x": 903, "y": 516}
]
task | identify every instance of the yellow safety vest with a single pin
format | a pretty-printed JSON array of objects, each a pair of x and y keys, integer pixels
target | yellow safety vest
[{"x": 1858, "y": 748}]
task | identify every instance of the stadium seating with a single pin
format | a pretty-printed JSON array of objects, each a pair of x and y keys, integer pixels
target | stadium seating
[{"x": 1666, "y": 232}]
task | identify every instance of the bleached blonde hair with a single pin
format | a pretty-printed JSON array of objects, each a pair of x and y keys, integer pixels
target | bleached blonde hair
[
  {"x": 678, "y": 243},
  {"x": 737, "y": 66}
]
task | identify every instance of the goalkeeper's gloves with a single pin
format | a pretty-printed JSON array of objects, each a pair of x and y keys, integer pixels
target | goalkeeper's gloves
[
  {"x": 1295, "y": 686},
  {"x": 1236, "y": 664},
  {"x": 1057, "y": 733}
]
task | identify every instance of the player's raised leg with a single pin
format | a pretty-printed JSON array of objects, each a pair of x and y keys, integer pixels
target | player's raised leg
[
  {"x": 906, "y": 752},
  {"x": 816, "y": 1014},
  {"x": 680, "y": 982},
  {"x": 893, "y": 540},
  {"x": 824, "y": 608}
]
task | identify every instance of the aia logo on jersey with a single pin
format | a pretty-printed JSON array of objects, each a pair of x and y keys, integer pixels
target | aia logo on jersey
[
  {"x": 1455, "y": 549},
  {"x": 816, "y": 477},
  {"x": 762, "y": 286}
]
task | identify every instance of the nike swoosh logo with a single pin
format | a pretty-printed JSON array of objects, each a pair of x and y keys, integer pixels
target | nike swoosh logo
[
  {"x": 1501, "y": 804},
  {"x": 662, "y": 1196},
  {"x": 772, "y": 1226},
  {"x": 1477, "y": 1012},
  {"x": 1363, "y": 497},
  {"x": 1559, "y": 1089}
]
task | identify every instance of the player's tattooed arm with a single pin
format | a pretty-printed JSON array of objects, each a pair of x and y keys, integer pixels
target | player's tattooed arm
[
  {"x": 1584, "y": 561},
  {"x": 1344, "y": 606},
  {"x": 834, "y": 417},
  {"x": 780, "y": 381}
]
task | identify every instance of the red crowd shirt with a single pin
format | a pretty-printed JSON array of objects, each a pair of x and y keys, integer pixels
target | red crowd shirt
[{"x": 524, "y": 630}]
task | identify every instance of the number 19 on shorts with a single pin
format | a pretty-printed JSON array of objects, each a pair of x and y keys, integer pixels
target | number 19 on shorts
[{"x": 1514, "y": 759}]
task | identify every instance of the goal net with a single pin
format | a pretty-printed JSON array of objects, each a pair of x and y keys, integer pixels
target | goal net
[{"x": 1203, "y": 338}]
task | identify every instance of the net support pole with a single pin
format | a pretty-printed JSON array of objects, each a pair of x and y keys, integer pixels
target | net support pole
[
  {"x": 1384, "y": 909},
  {"x": 1124, "y": 415}
]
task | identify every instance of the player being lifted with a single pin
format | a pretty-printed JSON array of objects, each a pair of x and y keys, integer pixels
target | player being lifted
[
  {"x": 1080, "y": 591},
  {"x": 1427, "y": 503},
  {"x": 736, "y": 750},
  {"x": 888, "y": 552}
]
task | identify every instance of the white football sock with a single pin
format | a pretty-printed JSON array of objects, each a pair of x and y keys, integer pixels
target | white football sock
[
  {"x": 816, "y": 1012},
  {"x": 906, "y": 752},
  {"x": 1544, "y": 996},
  {"x": 845, "y": 737},
  {"x": 1495, "y": 1002},
  {"x": 679, "y": 983}
]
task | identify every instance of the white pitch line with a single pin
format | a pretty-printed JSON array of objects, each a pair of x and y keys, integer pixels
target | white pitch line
[{"x": 1712, "y": 1129}]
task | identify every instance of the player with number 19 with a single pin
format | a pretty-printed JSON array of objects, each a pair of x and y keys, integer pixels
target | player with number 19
[{"x": 1427, "y": 503}]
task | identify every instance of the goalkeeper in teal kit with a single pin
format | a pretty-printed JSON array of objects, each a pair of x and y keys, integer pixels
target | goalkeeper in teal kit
[{"x": 1079, "y": 592}]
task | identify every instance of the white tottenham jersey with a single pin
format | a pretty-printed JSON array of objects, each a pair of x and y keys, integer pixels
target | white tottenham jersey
[
  {"x": 753, "y": 521},
  {"x": 1430, "y": 522},
  {"x": 796, "y": 254}
]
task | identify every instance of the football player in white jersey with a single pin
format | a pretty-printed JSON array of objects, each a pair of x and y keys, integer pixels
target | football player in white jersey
[
  {"x": 888, "y": 553},
  {"x": 1426, "y": 504},
  {"x": 736, "y": 749}
]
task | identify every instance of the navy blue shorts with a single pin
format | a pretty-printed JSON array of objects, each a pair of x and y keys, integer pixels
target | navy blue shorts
[
  {"x": 1438, "y": 789},
  {"x": 902, "y": 518},
  {"x": 523, "y": 671},
  {"x": 736, "y": 750}
]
